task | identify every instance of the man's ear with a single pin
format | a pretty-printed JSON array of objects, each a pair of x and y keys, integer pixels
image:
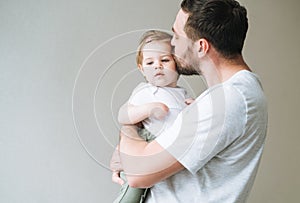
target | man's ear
[{"x": 202, "y": 46}]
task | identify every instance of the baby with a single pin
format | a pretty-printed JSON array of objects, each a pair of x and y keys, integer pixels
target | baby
[{"x": 155, "y": 103}]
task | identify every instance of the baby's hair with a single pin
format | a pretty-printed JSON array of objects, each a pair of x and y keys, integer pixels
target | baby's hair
[{"x": 151, "y": 36}]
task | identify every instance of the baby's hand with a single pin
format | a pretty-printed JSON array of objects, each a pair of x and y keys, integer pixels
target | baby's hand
[{"x": 158, "y": 110}]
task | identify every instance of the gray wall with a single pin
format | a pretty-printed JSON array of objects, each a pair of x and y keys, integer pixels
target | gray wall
[
  {"x": 272, "y": 49},
  {"x": 66, "y": 67}
]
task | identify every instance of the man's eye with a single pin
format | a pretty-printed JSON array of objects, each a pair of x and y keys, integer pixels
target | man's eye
[{"x": 175, "y": 36}]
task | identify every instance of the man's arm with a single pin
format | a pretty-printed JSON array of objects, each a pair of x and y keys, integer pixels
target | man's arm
[
  {"x": 145, "y": 163},
  {"x": 131, "y": 114}
]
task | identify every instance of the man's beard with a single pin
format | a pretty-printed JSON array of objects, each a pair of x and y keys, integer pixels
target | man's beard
[{"x": 184, "y": 68}]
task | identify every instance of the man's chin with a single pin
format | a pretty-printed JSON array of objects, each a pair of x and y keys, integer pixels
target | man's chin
[{"x": 185, "y": 69}]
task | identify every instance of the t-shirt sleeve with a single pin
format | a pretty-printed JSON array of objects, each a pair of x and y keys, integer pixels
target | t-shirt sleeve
[
  {"x": 137, "y": 95},
  {"x": 204, "y": 128}
]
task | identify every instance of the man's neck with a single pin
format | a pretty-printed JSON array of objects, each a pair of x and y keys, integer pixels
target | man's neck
[{"x": 217, "y": 70}]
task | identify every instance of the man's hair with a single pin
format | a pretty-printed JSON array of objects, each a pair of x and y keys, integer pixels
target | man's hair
[
  {"x": 223, "y": 23},
  {"x": 151, "y": 36}
]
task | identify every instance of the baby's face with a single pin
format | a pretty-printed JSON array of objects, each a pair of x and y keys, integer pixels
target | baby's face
[{"x": 158, "y": 65}]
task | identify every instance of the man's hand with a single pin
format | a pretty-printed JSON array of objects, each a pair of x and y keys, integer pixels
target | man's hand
[
  {"x": 116, "y": 167},
  {"x": 188, "y": 101}
]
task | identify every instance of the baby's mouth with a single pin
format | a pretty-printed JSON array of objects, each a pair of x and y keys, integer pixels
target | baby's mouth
[{"x": 158, "y": 74}]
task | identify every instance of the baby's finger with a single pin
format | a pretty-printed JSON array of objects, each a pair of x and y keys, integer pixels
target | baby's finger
[{"x": 116, "y": 178}]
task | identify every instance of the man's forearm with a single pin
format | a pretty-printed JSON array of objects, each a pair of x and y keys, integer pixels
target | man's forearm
[{"x": 144, "y": 163}]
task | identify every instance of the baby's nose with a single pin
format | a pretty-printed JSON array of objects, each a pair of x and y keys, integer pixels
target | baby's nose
[{"x": 158, "y": 65}]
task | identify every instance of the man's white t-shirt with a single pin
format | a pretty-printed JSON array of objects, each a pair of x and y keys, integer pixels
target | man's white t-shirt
[
  {"x": 219, "y": 140},
  {"x": 173, "y": 97}
]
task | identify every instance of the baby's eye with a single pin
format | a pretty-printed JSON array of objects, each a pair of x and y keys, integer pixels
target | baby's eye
[
  {"x": 165, "y": 60},
  {"x": 149, "y": 63}
]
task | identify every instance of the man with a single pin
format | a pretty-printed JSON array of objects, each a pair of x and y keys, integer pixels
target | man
[{"x": 212, "y": 151}]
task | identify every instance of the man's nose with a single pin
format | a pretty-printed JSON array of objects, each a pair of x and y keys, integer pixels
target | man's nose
[{"x": 172, "y": 41}]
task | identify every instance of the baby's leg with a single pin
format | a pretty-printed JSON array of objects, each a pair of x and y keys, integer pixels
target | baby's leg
[
  {"x": 128, "y": 194},
  {"x": 145, "y": 134}
]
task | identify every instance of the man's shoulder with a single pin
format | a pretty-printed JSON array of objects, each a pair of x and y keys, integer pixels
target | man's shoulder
[
  {"x": 245, "y": 81},
  {"x": 245, "y": 98},
  {"x": 248, "y": 85}
]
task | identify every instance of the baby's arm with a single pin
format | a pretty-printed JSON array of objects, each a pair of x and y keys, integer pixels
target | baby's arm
[{"x": 133, "y": 114}]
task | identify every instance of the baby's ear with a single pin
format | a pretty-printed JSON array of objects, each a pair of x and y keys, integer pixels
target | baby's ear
[{"x": 140, "y": 67}]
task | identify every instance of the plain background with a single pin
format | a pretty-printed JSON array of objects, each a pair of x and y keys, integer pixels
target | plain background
[{"x": 61, "y": 85}]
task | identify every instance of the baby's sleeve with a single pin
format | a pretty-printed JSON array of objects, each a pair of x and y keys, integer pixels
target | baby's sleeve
[{"x": 137, "y": 94}]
